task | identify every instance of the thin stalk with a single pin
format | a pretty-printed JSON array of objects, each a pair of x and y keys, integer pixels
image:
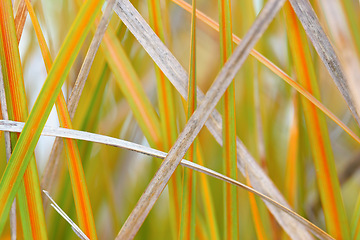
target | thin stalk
[
  {"x": 188, "y": 204},
  {"x": 328, "y": 183},
  {"x": 231, "y": 215}
]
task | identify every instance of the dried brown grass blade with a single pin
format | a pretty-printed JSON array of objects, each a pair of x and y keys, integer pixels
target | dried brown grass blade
[
  {"x": 153, "y": 46},
  {"x": 321, "y": 43},
  {"x": 51, "y": 166},
  {"x": 14, "y": 126},
  {"x": 178, "y": 77}
]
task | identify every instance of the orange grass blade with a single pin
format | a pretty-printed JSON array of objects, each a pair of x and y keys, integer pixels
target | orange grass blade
[
  {"x": 291, "y": 175},
  {"x": 166, "y": 112},
  {"x": 259, "y": 227},
  {"x": 14, "y": 171},
  {"x": 329, "y": 188},
  {"x": 130, "y": 85},
  {"x": 188, "y": 204},
  {"x": 29, "y": 197},
  {"x": 229, "y": 127},
  {"x": 214, "y": 25},
  {"x": 77, "y": 176}
]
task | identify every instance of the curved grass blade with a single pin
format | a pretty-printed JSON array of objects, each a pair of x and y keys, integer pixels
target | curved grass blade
[
  {"x": 335, "y": 217},
  {"x": 13, "y": 126},
  {"x": 271, "y": 66},
  {"x": 197, "y": 120},
  {"x": 188, "y": 204},
  {"x": 12, "y": 176},
  {"x": 29, "y": 196},
  {"x": 77, "y": 176},
  {"x": 178, "y": 76},
  {"x": 312, "y": 27}
]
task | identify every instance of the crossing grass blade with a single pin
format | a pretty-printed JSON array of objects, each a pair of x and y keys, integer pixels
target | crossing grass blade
[
  {"x": 130, "y": 85},
  {"x": 188, "y": 204},
  {"x": 329, "y": 188},
  {"x": 29, "y": 196},
  {"x": 77, "y": 176},
  {"x": 275, "y": 69},
  {"x": 166, "y": 112},
  {"x": 13, "y": 126},
  {"x": 326, "y": 52},
  {"x": 229, "y": 126},
  {"x": 178, "y": 76},
  {"x": 22, "y": 152},
  {"x": 197, "y": 120}
]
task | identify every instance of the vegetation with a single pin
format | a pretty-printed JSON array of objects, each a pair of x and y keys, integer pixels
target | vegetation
[{"x": 136, "y": 82}]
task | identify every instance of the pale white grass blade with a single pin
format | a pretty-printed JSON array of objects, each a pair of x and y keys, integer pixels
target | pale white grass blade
[
  {"x": 97, "y": 138},
  {"x": 344, "y": 46},
  {"x": 178, "y": 77},
  {"x": 74, "y": 227},
  {"x": 51, "y": 166},
  {"x": 136, "y": 23},
  {"x": 321, "y": 43}
]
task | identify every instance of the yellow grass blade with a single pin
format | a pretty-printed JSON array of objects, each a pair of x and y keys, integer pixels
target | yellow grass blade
[
  {"x": 214, "y": 25},
  {"x": 188, "y": 205},
  {"x": 12, "y": 176},
  {"x": 229, "y": 127},
  {"x": 29, "y": 197},
  {"x": 329, "y": 188},
  {"x": 77, "y": 176},
  {"x": 166, "y": 111}
]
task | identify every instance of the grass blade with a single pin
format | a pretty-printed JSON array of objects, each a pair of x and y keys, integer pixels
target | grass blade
[
  {"x": 166, "y": 111},
  {"x": 329, "y": 188},
  {"x": 76, "y": 229},
  {"x": 20, "y": 18},
  {"x": 29, "y": 197},
  {"x": 5, "y": 116},
  {"x": 178, "y": 76},
  {"x": 228, "y": 126},
  {"x": 188, "y": 204},
  {"x": 13, "y": 126},
  {"x": 197, "y": 120},
  {"x": 14, "y": 171},
  {"x": 326, "y": 52},
  {"x": 272, "y": 67}
]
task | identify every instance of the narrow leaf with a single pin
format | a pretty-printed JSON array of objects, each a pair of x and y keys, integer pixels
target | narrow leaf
[
  {"x": 19, "y": 160},
  {"x": 321, "y": 43},
  {"x": 198, "y": 119},
  {"x": 13, "y": 126},
  {"x": 178, "y": 76}
]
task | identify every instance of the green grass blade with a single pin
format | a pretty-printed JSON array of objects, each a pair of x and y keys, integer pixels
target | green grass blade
[
  {"x": 29, "y": 197},
  {"x": 328, "y": 183},
  {"x": 231, "y": 224},
  {"x": 188, "y": 204},
  {"x": 13, "y": 126},
  {"x": 11, "y": 178}
]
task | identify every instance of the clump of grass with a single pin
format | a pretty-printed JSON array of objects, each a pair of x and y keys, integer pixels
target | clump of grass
[{"x": 118, "y": 75}]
